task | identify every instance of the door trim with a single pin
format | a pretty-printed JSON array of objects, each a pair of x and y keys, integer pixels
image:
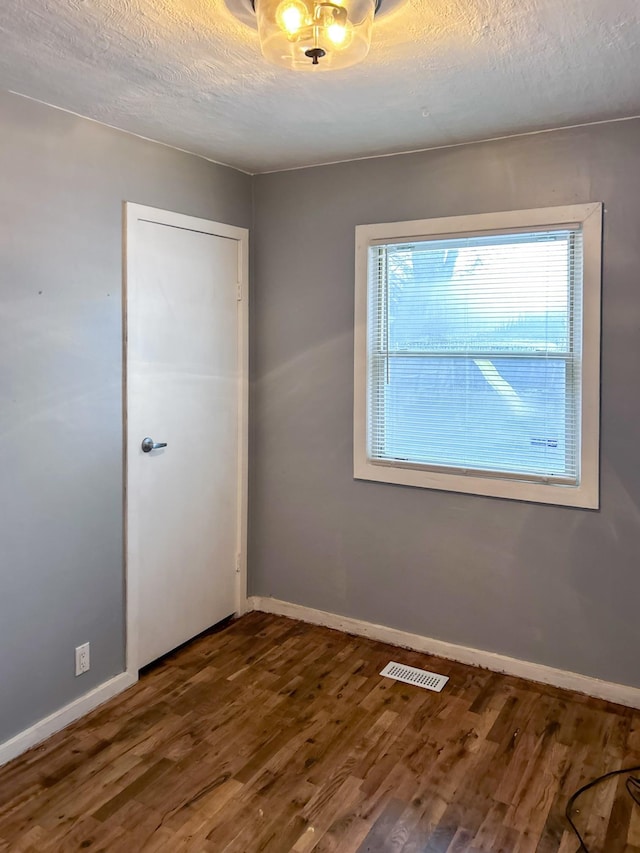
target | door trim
[{"x": 132, "y": 214}]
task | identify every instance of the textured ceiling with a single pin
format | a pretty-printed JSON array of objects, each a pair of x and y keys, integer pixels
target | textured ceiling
[{"x": 188, "y": 73}]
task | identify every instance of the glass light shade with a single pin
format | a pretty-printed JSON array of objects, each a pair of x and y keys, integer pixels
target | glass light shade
[{"x": 315, "y": 36}]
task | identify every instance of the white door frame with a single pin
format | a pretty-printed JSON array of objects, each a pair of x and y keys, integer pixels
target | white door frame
[{"x": 132, "y": 214}]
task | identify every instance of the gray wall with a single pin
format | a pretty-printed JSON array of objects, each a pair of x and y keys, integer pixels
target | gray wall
[
  {"x": 62, "y": 184},
  {"x": 553, "y": 585}
]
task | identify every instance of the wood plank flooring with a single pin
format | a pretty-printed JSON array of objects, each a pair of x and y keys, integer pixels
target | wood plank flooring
[{"x": 271, "y": 735}]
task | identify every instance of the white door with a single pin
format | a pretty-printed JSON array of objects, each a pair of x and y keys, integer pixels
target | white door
[{"x": 185, "y": 390}]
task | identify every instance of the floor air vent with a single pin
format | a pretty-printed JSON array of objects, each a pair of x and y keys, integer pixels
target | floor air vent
[{"x": 417, "y": 677}]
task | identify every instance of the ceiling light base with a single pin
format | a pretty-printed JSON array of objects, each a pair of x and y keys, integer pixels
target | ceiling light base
[{"x": 244, "y": 11}]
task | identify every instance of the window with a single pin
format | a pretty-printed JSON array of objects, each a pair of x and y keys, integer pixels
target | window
[{"x": 477, "y": 354}]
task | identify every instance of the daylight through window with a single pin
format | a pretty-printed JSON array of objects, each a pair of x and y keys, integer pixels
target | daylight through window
[{"x": 474, "y": 355}]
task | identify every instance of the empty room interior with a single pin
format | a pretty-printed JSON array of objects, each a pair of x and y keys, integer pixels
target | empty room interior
[{"x": 319, "y": 404}]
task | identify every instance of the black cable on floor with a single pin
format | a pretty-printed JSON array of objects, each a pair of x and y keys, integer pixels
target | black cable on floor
[{"x": 633, "y": 787}]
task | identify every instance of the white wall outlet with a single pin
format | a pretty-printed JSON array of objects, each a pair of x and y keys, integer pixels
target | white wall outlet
[{"x": 83, "y": 659}]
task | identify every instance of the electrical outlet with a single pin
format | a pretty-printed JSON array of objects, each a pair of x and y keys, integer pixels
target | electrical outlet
[{"x": 83, "y": 659}]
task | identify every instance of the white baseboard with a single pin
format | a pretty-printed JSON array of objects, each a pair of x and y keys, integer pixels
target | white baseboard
[
  {"x": 613, "y": 692},
  {"x": 59, "y": 719}
]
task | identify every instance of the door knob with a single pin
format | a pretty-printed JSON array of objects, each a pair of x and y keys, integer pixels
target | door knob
[{"x": 148, "y": 444}]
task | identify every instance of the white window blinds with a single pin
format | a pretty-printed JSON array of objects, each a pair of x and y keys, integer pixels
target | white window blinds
[{"x": 474, "y": 354}]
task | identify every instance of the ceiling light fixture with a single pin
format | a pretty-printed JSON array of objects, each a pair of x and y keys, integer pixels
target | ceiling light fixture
[{"x": 312, "y": 34}]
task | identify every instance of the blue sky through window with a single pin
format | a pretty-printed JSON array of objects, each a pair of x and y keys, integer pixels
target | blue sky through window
[{"x": 473, "y": 354}]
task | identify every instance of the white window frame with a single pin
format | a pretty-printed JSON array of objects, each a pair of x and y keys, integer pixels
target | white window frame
[{"x": 586, "y": 493}]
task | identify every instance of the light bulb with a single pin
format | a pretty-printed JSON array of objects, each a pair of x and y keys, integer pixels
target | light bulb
[
  {"x": 291, "y": 17},
  {"x": 314, "y": 34},
  {"x": 336, "y": 34}
]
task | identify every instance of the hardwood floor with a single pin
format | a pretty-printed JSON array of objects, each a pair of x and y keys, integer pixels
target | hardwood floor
[{"x": 272, "y": 735}]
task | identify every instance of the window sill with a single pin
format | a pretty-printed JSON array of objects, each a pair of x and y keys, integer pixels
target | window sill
[{"x": 583, "y": 496}]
